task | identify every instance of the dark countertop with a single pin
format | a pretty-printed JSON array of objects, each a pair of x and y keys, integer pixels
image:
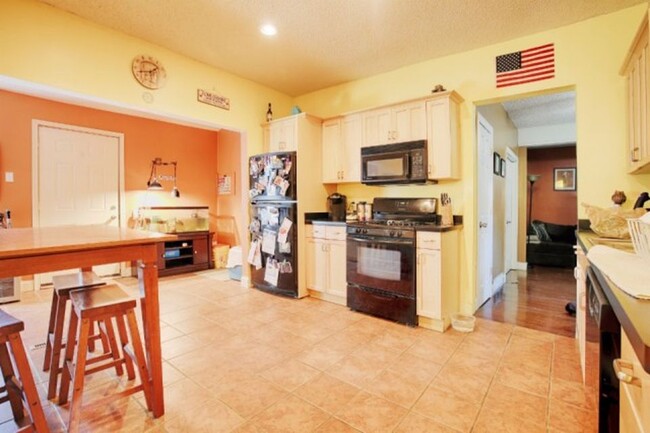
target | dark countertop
[
  {"x": 632, "y": 313},
  {"x": 323, "y": 218}
]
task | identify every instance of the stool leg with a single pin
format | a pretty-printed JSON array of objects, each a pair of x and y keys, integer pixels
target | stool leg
[
  {"x": 57, "y": 344},
  {"x": 107, "y": 325},
  {"x": 124, "y": 341},
  {"x": 67, "y": 360},
  {"x": 79, "y": 376},
  {"x": 50, "y": 330},
  {"x": 13, "y": 394},
  {"x": 29, "y": 387},
  {"x": 139, "y": 357}
]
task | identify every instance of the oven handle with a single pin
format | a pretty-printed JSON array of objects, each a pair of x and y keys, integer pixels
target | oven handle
[{"x": 390, "y": 241}]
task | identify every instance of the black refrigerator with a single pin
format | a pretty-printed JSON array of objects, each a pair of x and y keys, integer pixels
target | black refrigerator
[{"x": 273, "y": 249}]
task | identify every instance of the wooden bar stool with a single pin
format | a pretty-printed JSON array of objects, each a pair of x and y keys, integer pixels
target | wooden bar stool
[
  {"x": 63, "y": 284},
  {"x": 103, "y": 303},
  {"x": 19, "y": 391}
]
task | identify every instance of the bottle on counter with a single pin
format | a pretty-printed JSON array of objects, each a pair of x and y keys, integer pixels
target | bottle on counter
[{"x": 8, "y": 219}]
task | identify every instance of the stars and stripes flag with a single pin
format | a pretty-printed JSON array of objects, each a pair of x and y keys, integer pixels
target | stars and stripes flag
[{"x": 533, "y": 64}]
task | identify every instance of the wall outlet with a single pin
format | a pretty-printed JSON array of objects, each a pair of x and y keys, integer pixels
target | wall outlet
[{"x": 9, "y": 176}]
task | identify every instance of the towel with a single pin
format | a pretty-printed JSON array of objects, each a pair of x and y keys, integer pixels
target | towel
[{"x": 630, "y": 272}]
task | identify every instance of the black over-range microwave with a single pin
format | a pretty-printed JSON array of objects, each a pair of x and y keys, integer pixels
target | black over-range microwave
[{"x": 398, "y": 163}]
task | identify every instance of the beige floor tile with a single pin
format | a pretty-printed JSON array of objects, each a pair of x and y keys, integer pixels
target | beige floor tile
[
  {"x": 437, "y": 348},
  {"x": 570, "y": 419},
  {"x": 397, "y": 389},
  {"x": 444, "y": 408},
  {"x": 520, "y": 377},
  {"x": 507, "y": 401},
  {"x": 182, "y": 396},
  {"x": 290, "y": 375},
  {"x": 179, "y": 346},
  {"x": 290, "y": 415},
  {"x": 466, "y": 384},
  {"x": 368, "y": 413},
  {"x": 327, "y": 392},
  {"x": 575, "y": 393},
  {"x": 214, "y": 417},
  {"x": 357, "y": 370},
  {"x": 490, "y": 422},
  {"x": 251, "y": 396},
  {"x": 334, "y": 425},
  {"x": 394, "y": 340},
  {"x": 415, "y": 368},
  {"x": 321, "y": 356},
  {"x": 416, "y": 423}
]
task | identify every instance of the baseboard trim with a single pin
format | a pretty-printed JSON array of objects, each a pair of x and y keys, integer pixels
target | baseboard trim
[{"x": 498, "y": 282}]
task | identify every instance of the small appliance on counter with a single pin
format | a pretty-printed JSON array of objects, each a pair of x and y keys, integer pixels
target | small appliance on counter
[{"x": 337, "y": 206}]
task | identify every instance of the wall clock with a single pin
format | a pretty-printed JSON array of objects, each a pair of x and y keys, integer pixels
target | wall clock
[{"x": 149, "y": 72}]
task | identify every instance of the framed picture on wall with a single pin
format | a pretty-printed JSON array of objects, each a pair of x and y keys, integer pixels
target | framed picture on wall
[
  {"x": 496, "y": 163},
  {"x": 564, "y": 179},
  {"x": 225, "y": 183},
  {"x": 502, "y": 168}
]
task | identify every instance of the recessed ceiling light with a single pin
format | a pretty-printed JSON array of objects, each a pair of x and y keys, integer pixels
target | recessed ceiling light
[{"x": 268, "y": 30}]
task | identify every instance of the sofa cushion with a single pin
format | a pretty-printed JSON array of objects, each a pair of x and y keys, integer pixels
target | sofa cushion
[
  {"x": 562, "y": 233},
  {"x": 540, "y": 230}
]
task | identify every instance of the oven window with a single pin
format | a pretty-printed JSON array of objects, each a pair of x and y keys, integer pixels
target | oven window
[
  {"x": 379, "y": 263},
  {"x": 385, "y": 167}
]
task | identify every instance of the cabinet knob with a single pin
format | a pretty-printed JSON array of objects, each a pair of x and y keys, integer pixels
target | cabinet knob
[{"x": 623, "y": 376}]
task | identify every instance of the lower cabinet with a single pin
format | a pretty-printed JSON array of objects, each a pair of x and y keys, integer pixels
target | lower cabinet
[
  {"x": 635, "y": 393},
  {"x": 326, "y": 255},
  {"x": 437, "y": 290},
  {"x": 190, "y": 252}
]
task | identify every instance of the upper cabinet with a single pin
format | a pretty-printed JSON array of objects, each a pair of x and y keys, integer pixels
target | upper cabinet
[
  {"x": 341, "y": 149},
  {"x": 398, "y": 123},
  {"x": 443, "y": 132},
  {"x": 635, "y": 69},
  {"x": 290, "y": 133}
]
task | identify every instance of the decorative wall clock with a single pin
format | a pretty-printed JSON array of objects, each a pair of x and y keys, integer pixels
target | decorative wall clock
[{"x": 149, "y": 72}]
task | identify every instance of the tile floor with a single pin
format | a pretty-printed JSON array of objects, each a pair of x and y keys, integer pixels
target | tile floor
[{"x": 239, "y": 360}]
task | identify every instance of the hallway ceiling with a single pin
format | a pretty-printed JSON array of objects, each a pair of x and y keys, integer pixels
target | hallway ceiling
[
  {"x": 545, "y": 110},
  {"x": 321, "y": 43}
]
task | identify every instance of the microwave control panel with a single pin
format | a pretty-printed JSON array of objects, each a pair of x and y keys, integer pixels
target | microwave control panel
[{"x": 418, "y": 164}]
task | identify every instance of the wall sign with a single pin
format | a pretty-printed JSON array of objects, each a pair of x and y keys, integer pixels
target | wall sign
[
  {"x": 225, "y": 183},
  {"x": 212, "y": 99}
]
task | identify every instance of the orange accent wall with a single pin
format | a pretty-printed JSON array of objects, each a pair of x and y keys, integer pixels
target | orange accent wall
[
  {"x": 144, "y": 139},
  {"x": 559, "y": 207}
]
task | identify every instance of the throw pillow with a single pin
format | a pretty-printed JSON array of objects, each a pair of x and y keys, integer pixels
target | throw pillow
[{"x": 540, "y": 231}]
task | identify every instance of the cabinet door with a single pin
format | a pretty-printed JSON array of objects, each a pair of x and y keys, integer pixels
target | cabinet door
[
  {"x": 429, "y": 284},
  {"x": 321, "y": 265},
  {"x": 332, "y": 151},
  {"x": 377, "y": 127},
  {"x": 410, "y": 122},
  {"x": 283, "y": 135},
  {"x": 201, "y": 247},
  {"x": 635, "y": 397},
  {"x": 442, "y": 134},
  {"x": 337, "y": 261},
  {"x": 352, "y": 137}
]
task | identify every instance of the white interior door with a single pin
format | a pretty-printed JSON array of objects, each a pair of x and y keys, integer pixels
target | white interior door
[
  {"x": 512, "y": 206},
  {"x": 485, "y": 138},
  {"x": 77, "y": 180}
]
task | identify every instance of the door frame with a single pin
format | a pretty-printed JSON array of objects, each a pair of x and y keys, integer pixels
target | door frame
[
  {"x": 488, "y": 183},
  {"x": 125, "y": 268}
]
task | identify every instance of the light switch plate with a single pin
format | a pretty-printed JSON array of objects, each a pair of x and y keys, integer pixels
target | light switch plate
[{"x": 9, "y": 176}]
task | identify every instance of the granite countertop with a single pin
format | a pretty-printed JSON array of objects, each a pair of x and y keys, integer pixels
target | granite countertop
[
  {"x": 323, "y": 218},
  {"x": 632, "y": 313}
]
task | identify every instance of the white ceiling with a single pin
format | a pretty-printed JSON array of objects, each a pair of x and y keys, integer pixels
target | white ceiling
[
  {"x": 321, "y": 43},
  {"x": 545, "y": 110}
]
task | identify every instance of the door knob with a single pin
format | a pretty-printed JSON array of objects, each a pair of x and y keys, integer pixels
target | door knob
[{"x": 482, "y": 225}]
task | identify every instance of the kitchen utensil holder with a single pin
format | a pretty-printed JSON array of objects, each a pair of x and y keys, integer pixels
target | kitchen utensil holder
[{"x": 446, "y": 215}]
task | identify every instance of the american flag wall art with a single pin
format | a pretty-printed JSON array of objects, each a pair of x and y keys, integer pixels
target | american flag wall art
[{"x": 526, "y": 66}]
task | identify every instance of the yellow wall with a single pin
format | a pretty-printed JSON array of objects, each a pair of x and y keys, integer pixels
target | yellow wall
[
  {"x": 588, "y": 57},
  {"x": 44, "y": 45}
]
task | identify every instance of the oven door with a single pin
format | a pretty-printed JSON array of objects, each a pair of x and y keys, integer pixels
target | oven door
[{"x": 382, "y": 263}]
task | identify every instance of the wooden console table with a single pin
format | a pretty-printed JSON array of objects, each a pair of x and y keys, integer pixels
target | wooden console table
[{"x": 27, "y": 251}]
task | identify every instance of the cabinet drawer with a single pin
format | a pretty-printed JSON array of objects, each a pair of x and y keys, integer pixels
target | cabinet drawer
[
  {"x": 428, "y": 240},
  {"x": 335, "y": 233},
  {"x": 319, "y": 231}
]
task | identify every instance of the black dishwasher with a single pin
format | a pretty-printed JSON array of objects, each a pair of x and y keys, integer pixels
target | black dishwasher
[{"x": 609, "y": 332}]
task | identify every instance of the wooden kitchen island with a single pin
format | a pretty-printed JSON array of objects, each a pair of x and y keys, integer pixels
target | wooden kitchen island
[{"x": 27, "y": 251}]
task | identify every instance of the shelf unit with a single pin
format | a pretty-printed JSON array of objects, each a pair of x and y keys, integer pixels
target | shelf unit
[{"x": 190, "y": 252}]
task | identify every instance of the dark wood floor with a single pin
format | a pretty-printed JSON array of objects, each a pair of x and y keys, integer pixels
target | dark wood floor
[{"x": 535, "y": 299}]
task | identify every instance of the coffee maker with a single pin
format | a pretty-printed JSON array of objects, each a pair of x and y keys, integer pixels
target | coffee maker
[{"x": 336, "y": 206}]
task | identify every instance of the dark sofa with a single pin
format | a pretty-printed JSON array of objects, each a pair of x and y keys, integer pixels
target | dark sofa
[{"x": 554, "y": 246}]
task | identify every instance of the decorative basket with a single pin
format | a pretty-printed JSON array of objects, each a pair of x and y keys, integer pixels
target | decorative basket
[{"x": 640, "y": 234}]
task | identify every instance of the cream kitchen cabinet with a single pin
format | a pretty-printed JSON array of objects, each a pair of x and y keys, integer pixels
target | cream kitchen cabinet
[
  {"x": 443, "y": 131},
  {"x": 636, "y": 69},
  {"x": 289, "y": 133},
  {"x": 395, "y": 124},
  {"x": 580, "y": 274},
  {"x": 341, "y": 149},
  {"x": 634, "y": 390},
  {"x": 326, "y": 255},
  {"x": 437, "y": 291}
]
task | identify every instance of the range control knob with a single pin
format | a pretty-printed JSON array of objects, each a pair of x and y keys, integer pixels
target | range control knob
[
  {"x": 391, "y": 233},
  {"x": 364, "y": 231},
  {"x": 357, "y": 230},
  {"x": 398, "y": 234}
]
